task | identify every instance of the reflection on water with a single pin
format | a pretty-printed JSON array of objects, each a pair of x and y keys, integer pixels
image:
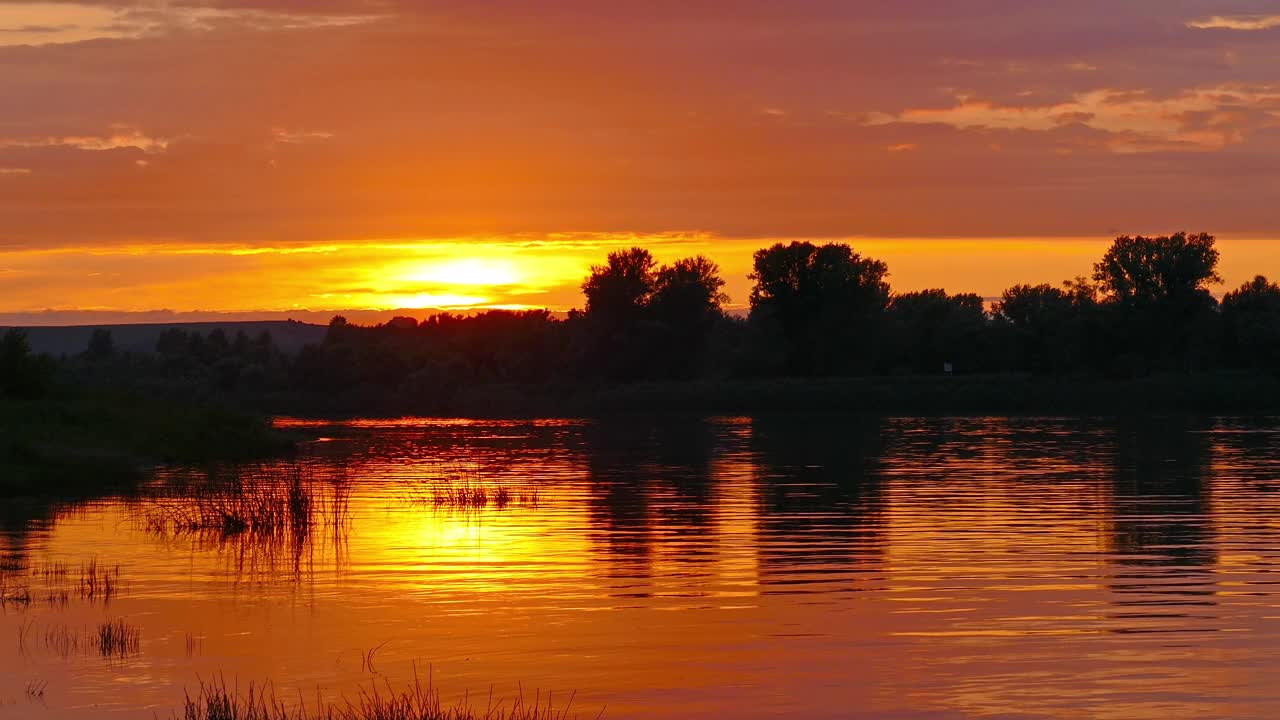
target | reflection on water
[{"x": 681, "y": 567}]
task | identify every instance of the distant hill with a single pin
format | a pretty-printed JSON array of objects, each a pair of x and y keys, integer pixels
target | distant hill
[{"x": 288, "y": 335}]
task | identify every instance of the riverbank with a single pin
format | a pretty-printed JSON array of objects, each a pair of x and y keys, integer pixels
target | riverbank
[
  {"x": 81, "y": 438},
  {"x": 1217, "y": 394}
]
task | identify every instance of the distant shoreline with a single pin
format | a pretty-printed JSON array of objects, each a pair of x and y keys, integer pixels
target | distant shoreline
[{"x": 1218, "y": 393}]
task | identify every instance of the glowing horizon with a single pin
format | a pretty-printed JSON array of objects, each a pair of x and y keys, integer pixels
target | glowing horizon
[{"x": 514, "y": 273}]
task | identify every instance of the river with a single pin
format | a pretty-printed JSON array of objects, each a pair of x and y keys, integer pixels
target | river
[{"x": 792, "y": 566}]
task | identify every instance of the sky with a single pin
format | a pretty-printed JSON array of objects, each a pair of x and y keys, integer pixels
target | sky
[{"x": 277, "y": 158}]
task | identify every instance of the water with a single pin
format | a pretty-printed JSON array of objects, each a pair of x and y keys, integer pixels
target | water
[{"x": 684, "y": 568}]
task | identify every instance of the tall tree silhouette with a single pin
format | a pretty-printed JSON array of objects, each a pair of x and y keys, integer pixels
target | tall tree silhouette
[
  {"x": 1158, "y": 300},
  {"x": 825, "y": 303},
  {"x": 617, "y": 295},
  {"x": 618, "y": 291},
  {"x": 1251, "y": 321},
  {"x": 686, "y": 303}
]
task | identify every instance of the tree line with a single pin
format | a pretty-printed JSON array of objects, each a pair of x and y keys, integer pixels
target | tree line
[
  {"x": 816, "y": 310},
  {"x": 826, "y": 310}
]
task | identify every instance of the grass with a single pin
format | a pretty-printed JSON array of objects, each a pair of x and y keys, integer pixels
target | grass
[
  {"x": 260, "y": 516},
  {"x": 14, "y": 595},
  {"x": 269, "y": 501},
  {"x": 118, "y": 639},
  {"x": 98, "y": 583},
  {"x": 52, "y": 583},
  {"x": 462, "y": 492},
  {"x": 194, "y": 644},
  {"x": 216, "y": 701},
  {"x": 34, "y": 690},
  {"x": 65, "y": 642}
]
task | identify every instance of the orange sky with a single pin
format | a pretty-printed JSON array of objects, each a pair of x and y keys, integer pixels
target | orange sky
[
  {"x": 264, "y": 155},
  {"x": 244, "y": 281}
]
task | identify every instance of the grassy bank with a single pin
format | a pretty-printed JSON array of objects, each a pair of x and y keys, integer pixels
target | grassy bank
[
  {"x": 1224, "y": 393},
  {"x": 75, "y": 438}
]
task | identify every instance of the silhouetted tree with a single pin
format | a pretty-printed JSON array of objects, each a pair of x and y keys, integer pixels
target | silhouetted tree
[
  {"x": 217, "y": 343},
  {"x": 929, "y": 328},
  {"x": 1158, "y": 303},
  {"x": 1251, "y": 322},
  {"x": 618, "y": 291},
  {"x": 172, "y": 342},
  {"x": 22, "y": 374},
  {"x": 685, "y": 304},
  {"x": 101, "y": 345},
  {"x": 616, "y": 318},
  {"x": 1149, "y": 271},
  {"x": 1047, "y": 329},
  {"x": 824, "y": 303}
]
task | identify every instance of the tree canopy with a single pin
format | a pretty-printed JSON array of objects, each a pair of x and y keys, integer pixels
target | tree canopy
[
  {"x": 1149, "y": 270},
  {"x": 824, "y": 301}
]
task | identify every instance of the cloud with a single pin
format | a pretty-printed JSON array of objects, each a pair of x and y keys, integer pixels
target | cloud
[
  {"x": 13, "y": 171},
  {"x": 1236, "y": 22},
  {"x": 277, "y": 121},
  {"x": 1195, "y": 120},
  {"x": 902, "y": 147},
  {"x": 119, "y": 137},
  {"x": 295, "y": 137},
  {"x": 43, "y": 23}
]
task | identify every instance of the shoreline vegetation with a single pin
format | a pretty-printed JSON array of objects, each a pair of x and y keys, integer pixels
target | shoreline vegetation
[
  {"x": 98, "y": 439},
  {"x": 1226, "y": 393},
  {"x": 216, "y": 701},
  {"x": 825, "y": 333}
]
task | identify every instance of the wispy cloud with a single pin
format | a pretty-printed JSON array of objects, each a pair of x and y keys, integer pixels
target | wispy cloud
[
  {"x": 296, "y": 137},
  {"x": 1236, "y": 22},
  {"x": 1137, "y": 121},
  {"x": 12, "y": 171},
  {"x": 117, "y": 137},
  {"x": 49, "y": 23}
]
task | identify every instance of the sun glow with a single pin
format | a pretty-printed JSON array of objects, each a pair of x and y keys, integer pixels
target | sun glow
[
  {"x": 464, "y": 271},
  {"x": 435, "y": 300},
  {"x": 318, "y": 280}
]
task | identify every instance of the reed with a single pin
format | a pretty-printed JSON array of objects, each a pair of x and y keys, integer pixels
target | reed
[
  {"x": 195, "y": 645},
  {"x": 264, "y": 518},
  {"x": 265, "y": 501},
  {"x": 461, "y": 492},
  {"x": 97, "y": 583},
  {"x": 216, "y": 701},
  {"x": 64, "y": 642},
  {"x": 34, "y": 690},
  {"x": 14, "y": 595},
  {"x": 118, "y": 639}
]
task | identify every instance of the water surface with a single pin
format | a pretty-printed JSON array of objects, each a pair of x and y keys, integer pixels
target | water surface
[{"x": 678, "y": 568}]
